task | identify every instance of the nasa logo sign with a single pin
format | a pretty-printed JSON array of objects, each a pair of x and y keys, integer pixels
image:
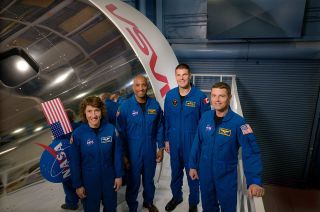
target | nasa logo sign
[
  {"x": 54, "y": 164},
  {"x": 144, "y": 45}
]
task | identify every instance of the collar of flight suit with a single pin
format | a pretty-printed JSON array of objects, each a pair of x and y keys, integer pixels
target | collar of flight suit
[
  {"x": 191, "y": 92},
  {"x": 226, "y": 118},
  {"x": 103, "y": 122},
  {"x": 135, "y": 100}
]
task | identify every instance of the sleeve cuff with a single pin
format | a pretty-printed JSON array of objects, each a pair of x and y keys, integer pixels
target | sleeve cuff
[
  {"x": 193, "y": 166},
  {"x": 256, "y": 181}
]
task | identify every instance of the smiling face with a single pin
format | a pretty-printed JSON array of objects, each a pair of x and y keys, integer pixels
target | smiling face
[
  {"x": 183, "y": 77},
  {"x": 220, "y": 99},
  {"x": 93, "y": 116},
  {"x": 140, "y": 87},
  {"x": 92, "y": 111}
]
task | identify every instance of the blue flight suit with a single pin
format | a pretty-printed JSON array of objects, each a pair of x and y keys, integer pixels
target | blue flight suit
[
  {"x": 112, "y": 109},
  {"x": 215, "y": 156},
  {"x": 181, "y": 122},
  {"x": 141, "y": 130},
  {"x": 96, "y": 160},
  {"x": 71, "y": 198}
]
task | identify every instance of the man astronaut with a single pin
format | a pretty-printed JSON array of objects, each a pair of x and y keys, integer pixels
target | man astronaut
[
  {"x": 140, "y": 124},
  {"x": 214, "y": 154}
]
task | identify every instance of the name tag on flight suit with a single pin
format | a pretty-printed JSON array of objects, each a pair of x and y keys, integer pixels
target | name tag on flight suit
[
  {"x": 224, "y": 131},
  {"x": 107, "y": 139},
  {"x": 190, "y": 104},
  {"x": 152, "y": 111}
]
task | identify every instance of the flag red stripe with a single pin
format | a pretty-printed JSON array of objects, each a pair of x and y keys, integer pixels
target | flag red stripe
[
  {"x": 61, "y": 118},
  {"x": 48, "y": 113},
  {"x": 54, "y": 112},
  {"x": 58, "y": 116},
  {"x": 51, "y": 113},
  {"x": 68, "y": 125},
  {"x": 44, "y": 111}
]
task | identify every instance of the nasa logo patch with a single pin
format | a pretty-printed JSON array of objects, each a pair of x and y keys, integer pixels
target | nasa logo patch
[
  {"x": 208, "y": 127},
  {"x": 54, "y": 162},
  {"x": 134, "y": 113},
  {"x": 90, "y": 142}
]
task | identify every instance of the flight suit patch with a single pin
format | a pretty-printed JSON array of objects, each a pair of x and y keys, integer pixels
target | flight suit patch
[
  {"x": 152, "y": 111},
  {"x": 206, "y": 101},
  {"x": 208, "y": 127},
  {"x": 90, "y": 142},
  {"x": 134, "y": 113},
  {"x": 190, "y": 104},
  {"x": 107, "y": 139},
  {"x": 174, "y": 102},
  {"x": 246, "y": 129},
  {"x": 224, "y": 131}
]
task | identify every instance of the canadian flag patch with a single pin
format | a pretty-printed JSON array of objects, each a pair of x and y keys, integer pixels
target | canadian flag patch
[{"x": 206, "y": 101}]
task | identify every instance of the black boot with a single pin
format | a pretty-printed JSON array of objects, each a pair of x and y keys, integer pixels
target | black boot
[
  {"x": 172, "y": 204},
  {"x": 193, "y": 208}
]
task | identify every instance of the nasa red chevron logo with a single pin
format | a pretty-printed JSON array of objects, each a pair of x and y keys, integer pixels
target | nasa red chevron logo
[
  {"x": 144, "y": 45},
  {"x": 54, "y": 164}
]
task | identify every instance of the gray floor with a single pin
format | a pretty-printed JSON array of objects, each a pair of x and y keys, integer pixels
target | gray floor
[{"x": 46, "y": 197}]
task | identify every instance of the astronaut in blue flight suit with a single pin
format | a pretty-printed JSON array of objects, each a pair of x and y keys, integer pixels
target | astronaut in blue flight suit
[
  {"x": 140, "y": 124},
  {"x": 71, "y": 198},
  {"x": 214, "y": 154},
  {"x": 183, "y": 108},
  {"x": 111, "y": 107},
  {"x": 96, "y": 158}
]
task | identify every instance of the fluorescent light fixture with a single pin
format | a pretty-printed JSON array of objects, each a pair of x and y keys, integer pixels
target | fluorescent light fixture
[
  {"x": 18, "y": 131},
  {"x": 38, "y": 129},
  {"x": 129, "y": 84},
  {"x": 8, "y": 150},
  {"x": 61, "y": 78},
  {"x": 81, "y": 95}
]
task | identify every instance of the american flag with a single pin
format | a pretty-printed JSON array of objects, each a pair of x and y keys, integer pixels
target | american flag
[
  {"x": 246, "y": 129},
  {"x": 56, "y": 117}
]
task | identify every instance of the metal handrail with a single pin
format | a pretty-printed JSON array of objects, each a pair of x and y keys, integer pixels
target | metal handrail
[
  {"x": 6, "y": 173},
  {"x": 243, "y": 202},
  {"x": 256, "y": 203}
]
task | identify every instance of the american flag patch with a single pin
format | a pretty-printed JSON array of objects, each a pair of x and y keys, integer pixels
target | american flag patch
[
  {"x": 56, "y": 117},
  {"x": 246, "y": 129}
]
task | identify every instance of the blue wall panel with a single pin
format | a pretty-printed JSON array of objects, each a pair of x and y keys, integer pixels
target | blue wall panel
[{"x": 278, "y": 99}]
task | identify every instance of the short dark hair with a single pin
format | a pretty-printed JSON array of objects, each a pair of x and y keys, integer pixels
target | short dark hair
[
  {"x": 105, "y": 96},
  {"x": 93, "y": 101},
  {"x": 222, "y": 85},
  {"x": 183, "y": 66},
  {"x": 70, "y": 114}
]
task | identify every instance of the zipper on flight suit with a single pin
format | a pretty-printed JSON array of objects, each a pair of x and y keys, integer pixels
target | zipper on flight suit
[
  {"x": 100, "y": 170},
  {"x": 180, "y": 121},
  {"x": 143, "y": 123}
]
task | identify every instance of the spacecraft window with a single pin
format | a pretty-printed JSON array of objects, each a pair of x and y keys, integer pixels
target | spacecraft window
[{"x": 17, "y": 67}]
